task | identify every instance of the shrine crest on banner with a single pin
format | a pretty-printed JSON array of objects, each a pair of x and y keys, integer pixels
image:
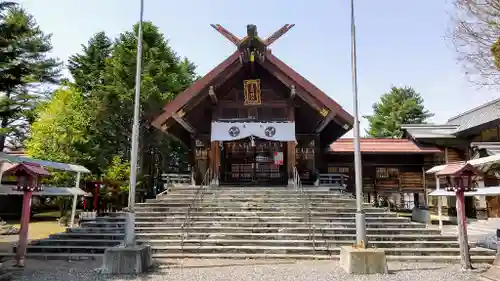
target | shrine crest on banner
[{"x": 252, "y": 92}]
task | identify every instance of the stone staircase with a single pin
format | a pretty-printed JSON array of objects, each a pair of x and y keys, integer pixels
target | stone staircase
[{"x": 256, "y": 222}]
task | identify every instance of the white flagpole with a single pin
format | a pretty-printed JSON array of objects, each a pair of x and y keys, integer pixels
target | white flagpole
[
  {"x": 130, "y": 220},
  {"x": 360, "y": 214}
]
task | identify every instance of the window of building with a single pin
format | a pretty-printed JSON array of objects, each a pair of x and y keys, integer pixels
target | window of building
[
  {"x": 489, "y": 135},
  {"x": 386, "y": 173},
  {"x": 408, "y": 201},
  {"x": 338, "y": 170}
]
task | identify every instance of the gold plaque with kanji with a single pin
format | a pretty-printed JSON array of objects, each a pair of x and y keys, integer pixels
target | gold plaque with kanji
[{"x": 252, "y": 92}]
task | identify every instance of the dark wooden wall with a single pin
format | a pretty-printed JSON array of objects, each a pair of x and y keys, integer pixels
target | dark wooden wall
[{"x": 384, "y": 173}]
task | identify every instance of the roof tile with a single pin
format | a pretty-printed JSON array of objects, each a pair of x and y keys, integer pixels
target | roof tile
[{"x": 373, "y": 145}]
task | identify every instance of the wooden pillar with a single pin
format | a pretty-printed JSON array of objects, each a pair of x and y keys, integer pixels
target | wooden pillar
[
  {"x": 319, "y": 163},
  {"x": 192, "y": 161},
  {"x": 214, "y": 159},
  {"x": 290, "y": 157},
  {"x": 290, "y": 145}
]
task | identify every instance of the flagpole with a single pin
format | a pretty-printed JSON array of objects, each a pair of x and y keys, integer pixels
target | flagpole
[
  {"x": 360, "y": 214},
  {"x": 130, "y": 219}
]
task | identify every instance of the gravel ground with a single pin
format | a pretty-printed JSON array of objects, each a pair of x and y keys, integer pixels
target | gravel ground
[{"x": 243, "y": 270}]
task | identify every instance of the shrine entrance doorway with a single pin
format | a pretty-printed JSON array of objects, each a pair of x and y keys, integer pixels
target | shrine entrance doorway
[{"x": 251, "y": 161}]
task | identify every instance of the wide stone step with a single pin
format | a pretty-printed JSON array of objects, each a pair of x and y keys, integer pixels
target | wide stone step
[
  {"x": 66, "y": 249},
  {"x": 291, "y": 243},
  {"x": 76, "y": 242},
  {"x": 276, "y": 236},
  {"x": 307, "y": 250},
  {"x": 242, "y": 242},
  {"x": 103, "y": 224},
  {"x": 281, "y": 230},
  {"x": 85, "y": 235},
  {"x": 95, "y": 229},
  {"x": 258, "y": 208},
  {"x": 264, "y": 214},
  {"x": 243, "y": 196},
  {"x": 118, "y": 218},
  {"x": 246, "y": 223},
  {"x": 265, "y": 200},
  {"x": 411, "y": 258},
  {"x": 350, "y": 219},
  {"x": 230, "y": 202},
  {"x": 166, "y": 258}
]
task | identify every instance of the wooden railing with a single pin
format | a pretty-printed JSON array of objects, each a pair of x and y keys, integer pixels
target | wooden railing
[
  {"x": 333, "y": 180},
  {"x": 171, "y": 179}
]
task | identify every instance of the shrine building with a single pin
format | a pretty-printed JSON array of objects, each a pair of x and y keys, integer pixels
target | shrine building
[{"x": 252, "y": 119}]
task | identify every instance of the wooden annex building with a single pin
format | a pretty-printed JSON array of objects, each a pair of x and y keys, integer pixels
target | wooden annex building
[
  {"x": 469, "y": 135},
  {"x": 253, "y": 120}
]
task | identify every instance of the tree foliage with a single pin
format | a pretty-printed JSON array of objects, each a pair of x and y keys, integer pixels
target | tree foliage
[
  {"x": 24, "y": 67},
  {"x": 475, "y": 30},
  {"x": 61, "y": 132},
  {"x": 103, "y": 92},
  {"x": 398, "y": 106},
  {"x": 88, "y": 67}
]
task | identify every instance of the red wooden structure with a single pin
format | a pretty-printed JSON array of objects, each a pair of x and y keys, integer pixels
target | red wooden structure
[
  {"x": 459, "y": 177},
  {"x": 93, "y": 187},
  {"x": 28, "y": 181}
]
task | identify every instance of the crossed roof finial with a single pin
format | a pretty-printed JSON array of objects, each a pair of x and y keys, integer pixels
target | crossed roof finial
[{"x": 252, "y": 34}]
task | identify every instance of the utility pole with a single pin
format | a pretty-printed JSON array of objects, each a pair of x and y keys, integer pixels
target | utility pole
[
  {"x": 360, "y": 215},
  {"x": 130, "y": 219}
]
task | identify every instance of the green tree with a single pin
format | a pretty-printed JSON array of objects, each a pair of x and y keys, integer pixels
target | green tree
[
  {"x": 164, "y": 75},
  {"x": 87, "y": 68},
  {"x": 24, "y": 67},
  {"x": 61, "y": 132},
  {"x": 100, "y": 138},
  {"x": 397, "y": 107}
]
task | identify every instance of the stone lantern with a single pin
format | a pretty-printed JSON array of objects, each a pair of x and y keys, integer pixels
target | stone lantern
[
  {"x": 459, "y": 177},
  {"x": 29, "y": 178}
]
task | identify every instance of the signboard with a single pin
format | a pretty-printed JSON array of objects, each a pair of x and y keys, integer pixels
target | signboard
[
  {"x": 252, "y": 92},
  {"x": 199, "y": 143},
  {"x": 278, "y": 158}
]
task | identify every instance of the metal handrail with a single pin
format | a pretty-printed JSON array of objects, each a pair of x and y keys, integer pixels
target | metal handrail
[
  {"x": 197, "y": 198},
  {"x": 306, "y": 210}
]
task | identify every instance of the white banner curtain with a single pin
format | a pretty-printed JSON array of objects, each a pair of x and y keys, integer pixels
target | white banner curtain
[{"x": 273, "y": 131}]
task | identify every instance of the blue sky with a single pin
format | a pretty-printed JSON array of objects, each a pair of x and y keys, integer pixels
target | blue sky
[{"x": 400, "y": 43}]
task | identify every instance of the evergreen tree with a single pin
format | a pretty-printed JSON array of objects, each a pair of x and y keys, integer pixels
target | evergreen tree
[
  {"x": 100, "y": 137},
  {"x": 24, "y": 67},
  {"x": 397, "y": 107},
  {"x": 87, "y": 68}
]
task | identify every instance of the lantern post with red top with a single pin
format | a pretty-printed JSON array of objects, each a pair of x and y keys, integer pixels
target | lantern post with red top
[
  {"x": 459, "y": 177},
  {"x": 29, "y": 179}
]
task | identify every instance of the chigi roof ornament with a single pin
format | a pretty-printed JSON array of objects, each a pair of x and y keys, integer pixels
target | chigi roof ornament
[{"x": 252, "y": 46}]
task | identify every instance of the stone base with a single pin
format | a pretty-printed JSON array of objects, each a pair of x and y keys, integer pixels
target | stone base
[
  {"x": 127, "y": 260},
  {"x": 362, "y": 261},
  {"x": 420, "y": 215}
]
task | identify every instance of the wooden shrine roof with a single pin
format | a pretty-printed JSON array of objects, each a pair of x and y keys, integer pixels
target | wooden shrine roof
[
  {"x": 457, "y": 168},
  {"x": 30, "y": 168},
  {"x": 276, "y": 67},
  {"x": 373, "y": 145}
]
